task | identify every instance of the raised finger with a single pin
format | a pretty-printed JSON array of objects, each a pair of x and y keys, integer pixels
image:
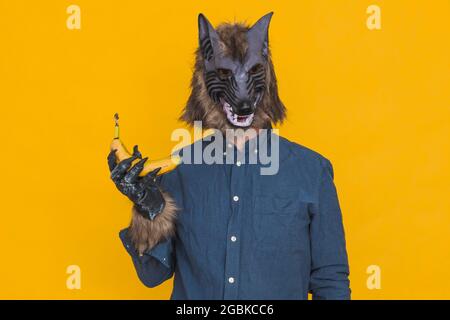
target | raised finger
[{"x": 136, "y": 152}]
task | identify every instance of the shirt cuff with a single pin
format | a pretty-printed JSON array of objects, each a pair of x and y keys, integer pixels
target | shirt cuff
[{"x": 161, "y": 252}]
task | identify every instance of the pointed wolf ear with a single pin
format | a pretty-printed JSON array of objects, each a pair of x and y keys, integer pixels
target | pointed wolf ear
[
  {"x": 258, "y": 35},
  {"x": 207, "y": 36}
]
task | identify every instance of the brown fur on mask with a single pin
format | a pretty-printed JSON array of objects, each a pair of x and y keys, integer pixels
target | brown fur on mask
[{"x": 200, "y": 106}]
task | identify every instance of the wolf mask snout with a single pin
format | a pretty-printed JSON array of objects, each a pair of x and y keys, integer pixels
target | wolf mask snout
[{"x": 245, "y": 108}]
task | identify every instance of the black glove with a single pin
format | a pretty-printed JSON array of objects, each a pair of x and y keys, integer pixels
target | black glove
[{"x": 142, "y": 191}]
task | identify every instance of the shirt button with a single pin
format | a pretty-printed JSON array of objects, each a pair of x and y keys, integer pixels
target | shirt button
[
  {"x": 238, "y": 163},
  {"x": 231, "y": 280},
  {"x": 233, "y": 238},
  {"x": 236, "y": 198}
]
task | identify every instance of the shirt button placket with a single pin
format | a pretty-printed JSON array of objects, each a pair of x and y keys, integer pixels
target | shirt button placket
[{"x": 233, "y": 246}]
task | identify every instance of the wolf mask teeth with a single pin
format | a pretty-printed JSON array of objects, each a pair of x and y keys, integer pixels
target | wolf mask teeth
[
  {"x": 236, "y": 83},
  {"x": 236, "y": 120}
]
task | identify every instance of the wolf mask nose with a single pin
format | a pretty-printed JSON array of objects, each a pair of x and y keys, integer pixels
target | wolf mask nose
[{"x": 244, "y": 108}]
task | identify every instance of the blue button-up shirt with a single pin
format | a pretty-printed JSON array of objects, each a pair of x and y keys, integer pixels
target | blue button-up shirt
[{"x": 244, "y": 235}]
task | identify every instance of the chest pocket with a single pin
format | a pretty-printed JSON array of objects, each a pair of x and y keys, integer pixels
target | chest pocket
[
  {"x": 280, "y": 222},
  {"x": 276, "y": 204}
]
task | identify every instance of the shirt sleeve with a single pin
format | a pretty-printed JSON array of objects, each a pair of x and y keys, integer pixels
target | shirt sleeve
[
  {"x": 156, "y": 265},
  {"x": 329, "y": 266}
]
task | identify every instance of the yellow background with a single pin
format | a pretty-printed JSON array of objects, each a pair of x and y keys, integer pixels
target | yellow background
[{"x": 376, "y": 103}]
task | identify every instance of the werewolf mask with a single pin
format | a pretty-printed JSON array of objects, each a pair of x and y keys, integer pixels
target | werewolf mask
[{"x": 234, "y": 83}]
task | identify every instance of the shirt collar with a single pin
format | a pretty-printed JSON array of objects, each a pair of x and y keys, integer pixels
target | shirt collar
[{"x": 251, "y": 145}]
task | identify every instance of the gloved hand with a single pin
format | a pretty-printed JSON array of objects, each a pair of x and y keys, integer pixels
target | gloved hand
[{"x": 144, "y": 192}]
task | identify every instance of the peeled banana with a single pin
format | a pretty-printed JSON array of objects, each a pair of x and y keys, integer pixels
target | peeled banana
[{"x": 166, "y": 164}]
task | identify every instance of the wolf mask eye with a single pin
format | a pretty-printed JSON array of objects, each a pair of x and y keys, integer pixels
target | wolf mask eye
[
  {"x": 224, "y": 73},
  {"x": 257, "y": 68}
]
